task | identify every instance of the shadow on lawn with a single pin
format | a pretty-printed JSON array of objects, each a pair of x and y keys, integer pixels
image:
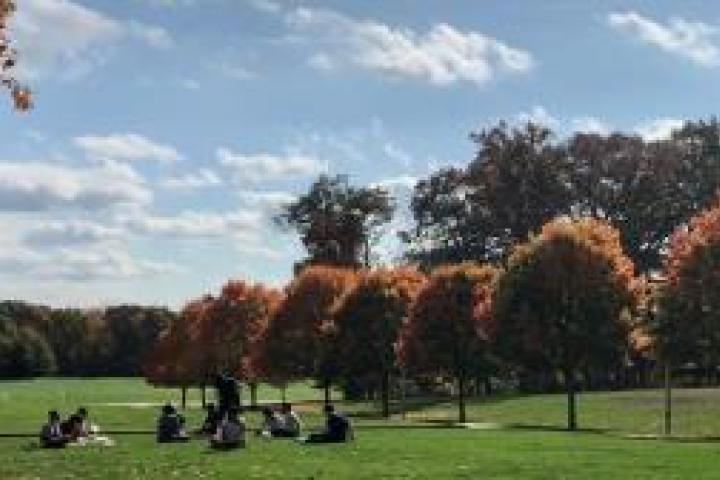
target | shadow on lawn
[{"x": 371, "y": 409}]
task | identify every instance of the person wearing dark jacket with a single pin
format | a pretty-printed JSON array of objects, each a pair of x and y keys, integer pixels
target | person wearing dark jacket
[
  {"x": 337, "y": 428},
  {"x": 51, "y": 435},
  {"x": 170, "y": 426}
]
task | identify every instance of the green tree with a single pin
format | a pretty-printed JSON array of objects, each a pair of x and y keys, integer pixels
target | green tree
[
  {"x": 336, "y": 221},
  {"x": 518, "y": 180}
]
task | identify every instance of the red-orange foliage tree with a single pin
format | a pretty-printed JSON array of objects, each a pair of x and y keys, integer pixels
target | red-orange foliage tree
[
  {"x": 688, "y": 327},
  {"x": 298, "y": 342},
  {"x": 179, "y": 358},
  {"x": 451, "y": 325},
  {"x": 21, "y": 95},
  {"x": 560, "y": 304},
  {"x": 368, "y": 320},
  {"x": 234, "y": 327}
]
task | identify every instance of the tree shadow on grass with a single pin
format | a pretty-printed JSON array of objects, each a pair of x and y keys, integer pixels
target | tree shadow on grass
[
  {"x": 699, "y": 439},
  {"x": 370, "y": 409}
]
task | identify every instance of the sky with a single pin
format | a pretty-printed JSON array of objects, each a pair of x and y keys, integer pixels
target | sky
[{"x": 167, "y": 133}]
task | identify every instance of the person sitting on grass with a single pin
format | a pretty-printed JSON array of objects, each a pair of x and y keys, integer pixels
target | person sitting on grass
[
  {"x": 212, "y": 418},
  {"x": 170, "y": 426},
  {"x": 85, "y": 427},
  {"x": 272, "y": 425},
  {"x": 51, "y": 435},
  {"x": 337, "y": 428},
  {"x": 72, "y": 427},
  {"x": 86, "y": 433},
  {"x": 292, "y": 425},
  {"x": 230, "y": 432}
]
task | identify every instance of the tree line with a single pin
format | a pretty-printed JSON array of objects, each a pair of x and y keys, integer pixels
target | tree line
[
  {"x": 39, "y": 340},
  {"x": 550, "y": 264},
  {"x": 537, "y": 263}
]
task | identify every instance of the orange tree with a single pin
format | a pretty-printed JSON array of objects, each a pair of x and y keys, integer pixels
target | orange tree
[
  {"x": 234, "y": 327},
  {"x": 451, "y": 325},
  {"x": 178, "y": 358},
  {"x": 561, "y": 302},
  {"x": 688, "y": 323},
  {"x": 298, "y": 342},
  {"x": 368, "y": 320}
]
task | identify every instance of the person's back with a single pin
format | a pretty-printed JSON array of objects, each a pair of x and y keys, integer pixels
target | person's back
[
  {"x": 168, "y": 426},
  {"x": 51, "y": 435},
  {"x": 338, "y": 427},
  {"x": 210, "y": 424},
  {"x": 292, "y": 425},
  {"x": 272, "y": 423},
  {"x": 230, "y": 433}
]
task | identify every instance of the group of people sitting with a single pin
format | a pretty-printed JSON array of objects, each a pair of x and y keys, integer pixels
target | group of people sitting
[
  {"x": 226, "y": 428},
  {"x": 75, "y": 430}
]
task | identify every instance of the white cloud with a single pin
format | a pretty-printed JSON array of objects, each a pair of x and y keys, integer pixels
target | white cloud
[
  {"x": 126, "y": 147},
  {"x": 538, "y": 115},
  {"x": 203, "y": 178},
  {"x": 233, "y": 71},
  {"x": 189, "y": 84},
  {"x": 441, "y": 56},
  {"x": 658, "y": 129},
  {"x": 397, "y": 154},
  {"x": 693, "y": 40},
  {"x": 66, "y": 37},
  {"x": 80, "y": 264},
  {"x": 590, "y": 124},
  {"x": 261, "y": 166},
  {"x": 322, "y": 61},
  {"x": 154, "y": 36},
  {"x": 75, "y": 232},
  {"x": 169, "y": 3},
  {"x": 195, "y": 224},
  {"x": 268, "y": 6},
  {"x": 43, "y": 186},
  {"x": 266, "y": 200},
  {"x": 402, "y": 182}
]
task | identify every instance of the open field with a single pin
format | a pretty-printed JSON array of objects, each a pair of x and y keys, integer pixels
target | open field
[{"x": 527, "y": 445}]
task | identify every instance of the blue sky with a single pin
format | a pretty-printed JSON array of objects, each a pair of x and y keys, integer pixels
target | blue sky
[{"x": 167, "y": 132}]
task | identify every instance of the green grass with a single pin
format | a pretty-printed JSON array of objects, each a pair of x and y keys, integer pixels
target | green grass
[{"x": 529, "y": 446}]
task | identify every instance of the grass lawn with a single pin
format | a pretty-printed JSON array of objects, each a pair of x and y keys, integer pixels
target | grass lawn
[{"x": 399, "y": 449}]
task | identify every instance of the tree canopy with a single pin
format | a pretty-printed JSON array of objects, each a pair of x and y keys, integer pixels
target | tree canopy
[
  {"x": 368, "y": 320},
  {"x": 688, "y": 325},
  {"x": 336, "y": 221},
  {"x": 562, "y": 303},
  {"x": 452, "y": 328}
]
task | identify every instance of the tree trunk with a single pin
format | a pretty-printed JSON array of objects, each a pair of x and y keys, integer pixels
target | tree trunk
[
  {"x": 385, "y": 386},
  {"x": 183, "y": 398},
  {"x": 282, "y": 393},
  {"x": 327, "y": 393},
  {"x": 253, "y": 394},
  {"x": 203, "y": 396},
  {"x": 570, "y": 388},
  {"x": 667, "y": 425},
  {"x": 461, "y": 398},
  {"x": 488, "y": 386}
]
